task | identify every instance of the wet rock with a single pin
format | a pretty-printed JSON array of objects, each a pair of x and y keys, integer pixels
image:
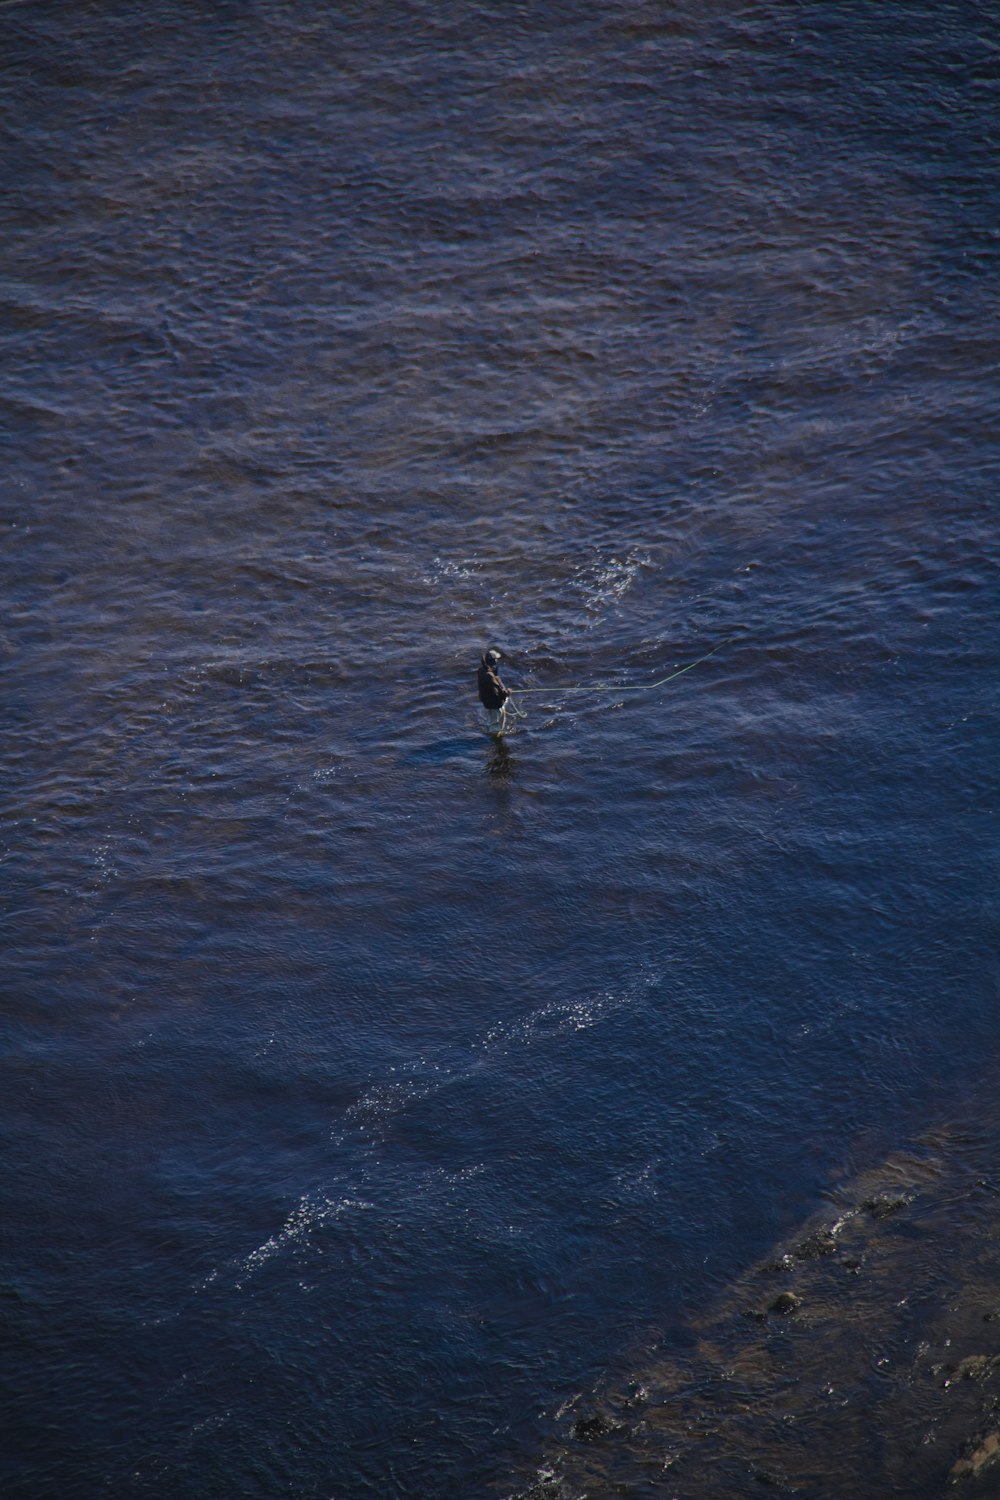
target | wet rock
[
  {"x": 971, "y": 1467},
  {"x": 635, "y": 1396},
  {"x": 548, "y": 1488},
  {"x": 814, "y": 1246},
  {"x": 769, "y": 1480},
  {"x": 882, "y": 1385},
  {"x": 973, "y": 1367},
  {"x": 976, "y": 1367},
  {"x": 593, "y": 1429},
  {"x": 883, "y": 1205}
]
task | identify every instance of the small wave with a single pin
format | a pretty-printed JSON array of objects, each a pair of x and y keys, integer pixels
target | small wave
[
  {"x": 441, "y": 570},
  {"x": 383, "y": 1101},
  {"x": 605, "y": 583},
  {"x": 311, "y": 1213},
  {"x": 325, "y": 773},
  {"x": 562, "y": 1017},
  {"x": 639, "y": 1184},
  {"x": 559, "y": 1018},
  {"x": 380, "y": 1105}
]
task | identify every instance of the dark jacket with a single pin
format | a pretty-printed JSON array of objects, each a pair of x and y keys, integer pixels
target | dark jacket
[{"x": 492, "y": 693}]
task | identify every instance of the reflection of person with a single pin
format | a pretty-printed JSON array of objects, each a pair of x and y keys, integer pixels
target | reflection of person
[{"x": 492, "y": 693}]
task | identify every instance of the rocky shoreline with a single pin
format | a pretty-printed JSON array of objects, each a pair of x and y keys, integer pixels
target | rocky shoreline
[{"x": 860, "y": 1359}]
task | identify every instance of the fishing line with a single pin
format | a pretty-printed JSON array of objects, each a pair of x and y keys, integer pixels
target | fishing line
[{"x": 622, "y": 687}]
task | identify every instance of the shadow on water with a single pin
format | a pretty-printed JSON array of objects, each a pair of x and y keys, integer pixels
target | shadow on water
[{"x": 501, "y": 764}]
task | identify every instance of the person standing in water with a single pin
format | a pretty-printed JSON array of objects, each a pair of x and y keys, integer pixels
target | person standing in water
[{"x": 492, "y": 693}]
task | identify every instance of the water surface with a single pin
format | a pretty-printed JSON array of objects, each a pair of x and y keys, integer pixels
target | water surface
[{"x": 372, "y": 1086}]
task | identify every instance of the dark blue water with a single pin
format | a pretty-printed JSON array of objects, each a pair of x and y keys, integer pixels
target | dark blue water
[{"x": 371, "y": 1085}]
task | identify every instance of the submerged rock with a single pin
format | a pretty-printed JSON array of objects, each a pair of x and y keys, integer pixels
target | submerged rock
[
  {"x": 977, "y": 1367},
  {"x": 822, "y": 1242},
  {"x": 593, "y": 1429},
  {"x": 872, "y": 1393},
  {"x": 986, "y": 1454},
  {"x": 883, "y": 1205}
]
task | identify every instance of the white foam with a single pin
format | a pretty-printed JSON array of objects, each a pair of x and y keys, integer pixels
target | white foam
[
  {"x": 310, "y": 1214},
  {"x": 374, "y": 1111},
  {"x": 605, "y": 583},
  {"x": 562, "y": 1017}
]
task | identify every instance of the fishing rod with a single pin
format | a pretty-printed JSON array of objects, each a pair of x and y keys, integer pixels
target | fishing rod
[{"x": 622, "y": 687}]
